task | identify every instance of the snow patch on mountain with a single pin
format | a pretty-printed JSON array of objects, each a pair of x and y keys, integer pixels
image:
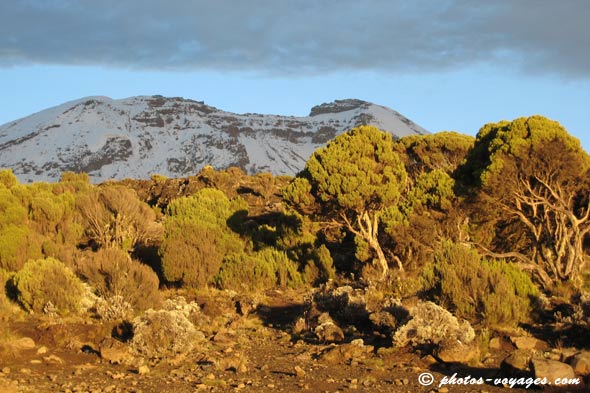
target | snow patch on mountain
[{"x": 140, "y": 136}]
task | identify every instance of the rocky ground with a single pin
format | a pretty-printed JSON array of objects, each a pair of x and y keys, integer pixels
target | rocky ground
[{"x": 257, "y": 350}]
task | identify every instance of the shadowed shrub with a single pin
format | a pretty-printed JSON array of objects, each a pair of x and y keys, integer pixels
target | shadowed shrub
[
  {"x": 264, "y": 269},
  {"x": 114, "y": 274},
  {"x": 493, "y": 292}
]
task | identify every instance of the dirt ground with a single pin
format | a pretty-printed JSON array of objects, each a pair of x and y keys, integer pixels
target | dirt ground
[{"x": 252, "y": 353}]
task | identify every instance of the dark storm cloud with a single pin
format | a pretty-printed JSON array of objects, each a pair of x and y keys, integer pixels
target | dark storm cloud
[{"x": 299, "y": 36}]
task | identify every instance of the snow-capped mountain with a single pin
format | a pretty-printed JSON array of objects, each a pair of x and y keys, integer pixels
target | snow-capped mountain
[{"x": 140, "y": 136}]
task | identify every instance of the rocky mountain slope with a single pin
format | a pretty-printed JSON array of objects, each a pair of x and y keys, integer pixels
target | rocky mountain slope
[{"x": 139, "y": 136}]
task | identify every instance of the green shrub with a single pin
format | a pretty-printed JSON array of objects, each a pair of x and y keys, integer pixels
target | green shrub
[
  {"x": 264, "y": 269},
  {"x": 112, "y": 273},
  {"x": 18, "y": 244},
  {"x": 196, "y": 237},
  {"x": 493, "y": 292},
  {"x": 44, "y": 282},
  {"x": 320, "y": 268},
  {"x": 192, "y": 252},
  {"x": 11, "y": 209}
]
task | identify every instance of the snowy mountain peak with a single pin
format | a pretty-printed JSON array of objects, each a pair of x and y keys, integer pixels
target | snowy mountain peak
[{"x": 139, "y": 136}]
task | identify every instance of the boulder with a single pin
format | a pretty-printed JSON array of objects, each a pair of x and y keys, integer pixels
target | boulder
[
  {"x": 114, "y": 351},
  {"x": 581, "y": 363},
  {"x": 517, "y": 364},
  {"x": 550, "y": 369},
  {"x": 529, "y": 343},
  {"x": 340, "y": 354},
  {"x": 23, "y": 343},
  {"x": 327, "y": 331},
  {"x": 454, "y": 351}
]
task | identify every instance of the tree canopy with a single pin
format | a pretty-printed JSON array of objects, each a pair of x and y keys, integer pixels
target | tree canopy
[
  {"x": 531, "y": 180},
  {"x": 351, "y": 182}
]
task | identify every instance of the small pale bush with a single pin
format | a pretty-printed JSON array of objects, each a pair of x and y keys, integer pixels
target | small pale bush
[
  {"x": 159, "y": 334},
  {"x": 431, "y": 324},
  {"x": 45, "y": 281},
  {"x": 114, "y": 308}
]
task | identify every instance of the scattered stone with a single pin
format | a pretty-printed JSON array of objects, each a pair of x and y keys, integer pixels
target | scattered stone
[
  {"x": 42, "y": 350},
  {"x": 23, "y": 344},
  {"x": 327, "y": 331},
  {"x": 35, "y": 361},
  {"x": 581, "y": 363},
  {"x": 7, "y": 387},
  {"x": 529, "y": 343},
  {"x": 517, "y": 364},
  {"x": 345, "y": 352},
  {"x": 114, "y": 351},
  {"x": 25, "y": 370},
  {"x": 495, "y": 344},
  {"x": 551, "y": 369},
  {"x": 454, "y": 351},
  {"x": 143, "y": 370},
  {"x": 299, "y": 371},
  {"x": 53, "y": 359},
  {"x": 6, "y": 370}
]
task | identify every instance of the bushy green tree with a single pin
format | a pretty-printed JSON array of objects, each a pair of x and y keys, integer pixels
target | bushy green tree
[
  {"x": 350, "y": 183},
  {"x": 531, "y": 179},
  {"x": 443, "y": 151}
]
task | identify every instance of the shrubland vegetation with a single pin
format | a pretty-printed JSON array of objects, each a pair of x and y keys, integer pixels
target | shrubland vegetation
[{"x": 478, "y": 225}]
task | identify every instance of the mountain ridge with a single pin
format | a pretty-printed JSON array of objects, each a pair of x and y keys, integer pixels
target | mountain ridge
[{"x": 173, "y": 136}]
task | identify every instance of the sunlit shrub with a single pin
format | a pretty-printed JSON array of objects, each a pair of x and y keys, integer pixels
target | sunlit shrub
[
  {"x": 48, "y": 281},
  {"x": 18, "y": 244}
]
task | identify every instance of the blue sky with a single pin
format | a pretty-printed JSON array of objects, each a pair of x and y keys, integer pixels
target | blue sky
[{"x": 447, "y": 65}]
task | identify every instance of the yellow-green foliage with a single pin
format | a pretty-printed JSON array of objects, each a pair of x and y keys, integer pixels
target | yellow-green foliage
[
  {"x": 443, "y": 151},
  {"x": 264, "y": 269},
  {"x": 113, "y": 273},
  {"x": 11, "y": 209},
  {"x": 493, "y": 292},
  {"x": 18, "y": 244},
  {"x": 518, "y": 140},
  {"x": 7, "y": 178},
  {"x": 320, "y": 268},
  {"x": 45, "y": 281},
  {"x": 196, "y": 237}
]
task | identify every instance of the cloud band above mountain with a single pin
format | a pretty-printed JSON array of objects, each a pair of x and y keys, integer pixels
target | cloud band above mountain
[{"x": 311, "y": 37}]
